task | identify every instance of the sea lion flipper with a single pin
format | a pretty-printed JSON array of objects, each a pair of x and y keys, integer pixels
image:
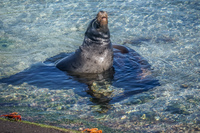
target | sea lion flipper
[{"x": 121, "y": 48}]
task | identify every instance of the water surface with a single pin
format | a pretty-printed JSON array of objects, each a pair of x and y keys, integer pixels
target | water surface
[{"x": 165, "y": 33}]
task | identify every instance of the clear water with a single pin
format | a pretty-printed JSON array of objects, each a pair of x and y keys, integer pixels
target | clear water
[{"x": 165, "y": 33}]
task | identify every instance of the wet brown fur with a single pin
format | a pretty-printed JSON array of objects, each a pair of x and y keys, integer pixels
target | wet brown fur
[{"x": 102, "y": 19}]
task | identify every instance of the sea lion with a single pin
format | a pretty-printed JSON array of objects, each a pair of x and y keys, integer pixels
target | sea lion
[{"x": 95, "y": 55}]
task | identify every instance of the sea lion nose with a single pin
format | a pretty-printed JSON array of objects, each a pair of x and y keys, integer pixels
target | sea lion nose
[{"x": 104, "y": 18}]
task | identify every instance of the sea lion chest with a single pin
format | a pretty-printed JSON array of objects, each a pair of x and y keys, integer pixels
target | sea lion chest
[{"x": 96, "y": 59}]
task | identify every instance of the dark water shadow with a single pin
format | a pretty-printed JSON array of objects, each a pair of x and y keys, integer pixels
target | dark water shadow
[{"x": 130, "y": 71}]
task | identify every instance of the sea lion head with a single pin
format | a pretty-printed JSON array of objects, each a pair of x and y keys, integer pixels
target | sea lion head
[
  {"x": 98, "y": 29},
  {"x": 102, "y": 21},
  {"x": 102, "y": 18}
]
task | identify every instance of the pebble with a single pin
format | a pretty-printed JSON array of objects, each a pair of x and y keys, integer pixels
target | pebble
[
  {"x": 123, "y": 117},
  {"x": 157, "y": 118},
  {"x": 184, "y": 86},
  {"x": 144, "y": 116}
]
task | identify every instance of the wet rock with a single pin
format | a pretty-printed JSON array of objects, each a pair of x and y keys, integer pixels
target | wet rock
[
  {"x": 143, "y": 116},
  {"x": 157, "y": 118},
  {"x": 177, "y": 109},
  {"x": 184, "y": 86},
  {"x": 123, "y": 117}
]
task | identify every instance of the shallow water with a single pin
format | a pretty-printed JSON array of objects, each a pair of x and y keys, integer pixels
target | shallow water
[{"x": 165, "y": 33}]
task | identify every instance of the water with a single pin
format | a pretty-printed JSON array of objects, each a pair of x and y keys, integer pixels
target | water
[{"x": 165, "y": 33}]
